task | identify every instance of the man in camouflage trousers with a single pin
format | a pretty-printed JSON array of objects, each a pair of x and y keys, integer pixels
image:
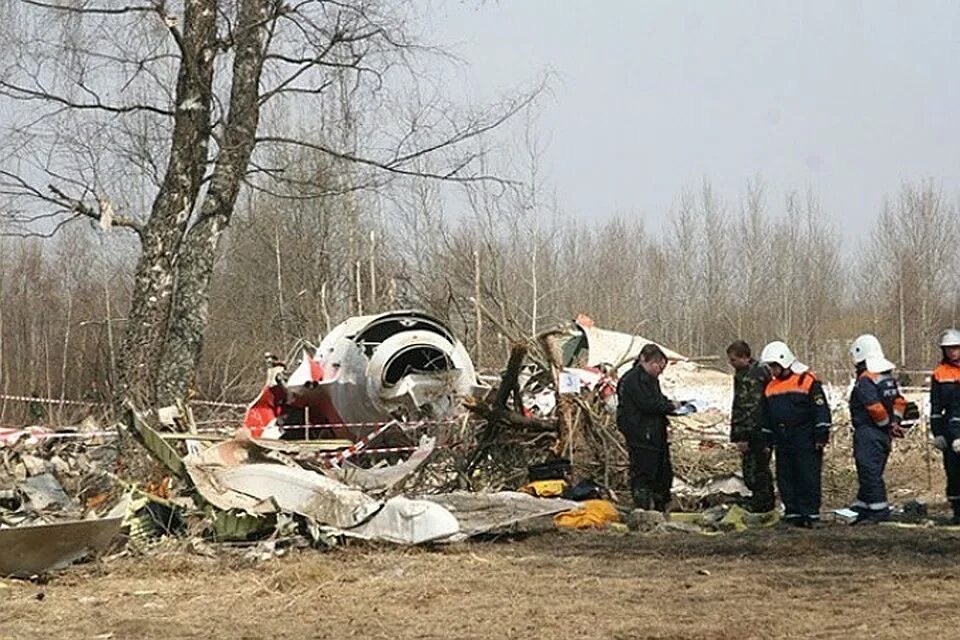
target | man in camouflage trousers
[{"x": 745, "y": 425}]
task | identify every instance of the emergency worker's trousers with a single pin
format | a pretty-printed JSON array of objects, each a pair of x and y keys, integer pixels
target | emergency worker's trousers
[
  {"x": 871, "y": 448},
  {"x": 951, "y": 465},
  {"x": 757, "y": 476},
  {"x": 651, "y": 475},
  {"x": 798, "y": 480}
]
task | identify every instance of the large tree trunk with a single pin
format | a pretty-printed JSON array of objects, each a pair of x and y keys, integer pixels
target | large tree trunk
[
  {"x": 162, "y": 236},
  {"x": 190, "y": 311}
]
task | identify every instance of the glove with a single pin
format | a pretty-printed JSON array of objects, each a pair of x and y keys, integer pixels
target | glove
[
  {"x": 956, "y": 446},
  {"x": 686, "y": 408},
  {"x": 940, "y": 443}
]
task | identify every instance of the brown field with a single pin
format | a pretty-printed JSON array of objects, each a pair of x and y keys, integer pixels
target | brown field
[
  {"x": 851, "y": 582},
  {"x": 839, "y": 581}
]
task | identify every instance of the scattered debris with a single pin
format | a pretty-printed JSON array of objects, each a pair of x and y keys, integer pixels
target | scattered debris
[
  {"x": 592, "y": 514},
  {"x": 43, "y": 492},
  {"x": 845, "y": 515},
  {"x": 379, "y": 480},
  {"x": 914, "y": 511},
  {"x": 368, "y": 439},
  {"x": 643, "y": 520},
  {"x": 32, "y": 550},
  {"x": 506, "y": 512},
  {"x": 714, "y": 491}
]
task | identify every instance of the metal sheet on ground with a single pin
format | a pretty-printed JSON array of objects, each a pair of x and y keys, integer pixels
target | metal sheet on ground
[
  {"x": 503, "y": 512},
  {"x": 27, "y": 551}
]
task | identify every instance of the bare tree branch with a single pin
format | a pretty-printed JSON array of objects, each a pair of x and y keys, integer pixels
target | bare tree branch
[
  {"x": 72, "y": 8},
  {"x": 18, "y": 92}
]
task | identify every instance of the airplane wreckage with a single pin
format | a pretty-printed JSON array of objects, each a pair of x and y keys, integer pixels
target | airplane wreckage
[
  {"x": 313, "y": 448},
  {"x": 402, "y": 365},
  {"x": 408, "y": 366}
]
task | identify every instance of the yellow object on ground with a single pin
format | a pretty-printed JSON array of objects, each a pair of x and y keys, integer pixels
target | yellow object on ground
[
  {"x": 758, "y": 520},
  {"x": 694, "y": 517},
  {"x": 544, "y": 488},
  {"x": 735, "y": 519},
  {"x": 594, "y": 514}
]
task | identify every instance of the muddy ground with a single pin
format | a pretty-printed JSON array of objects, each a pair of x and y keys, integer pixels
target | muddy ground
[{"x": 839, "y": 581}]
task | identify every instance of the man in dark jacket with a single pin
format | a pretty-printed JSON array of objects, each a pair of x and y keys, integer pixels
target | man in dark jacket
[
  {"x": 642, "y": 418},
  {"x": 746, "y": 430}
]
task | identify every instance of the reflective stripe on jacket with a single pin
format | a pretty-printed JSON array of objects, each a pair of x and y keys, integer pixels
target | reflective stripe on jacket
[
  {"x": 875, "y": 400},
  {"x": 795, "y": 412},
  {"x": 945, "y": 401}
]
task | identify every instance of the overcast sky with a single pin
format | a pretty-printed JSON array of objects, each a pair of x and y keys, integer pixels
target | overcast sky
[{"x": 847, "y": 98}]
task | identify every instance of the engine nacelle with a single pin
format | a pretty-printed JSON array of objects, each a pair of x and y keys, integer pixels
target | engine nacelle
[{"x": 399, "y": 365}]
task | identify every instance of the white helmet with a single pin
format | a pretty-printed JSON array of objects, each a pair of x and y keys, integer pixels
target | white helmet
[
  {"x": 867, "y": 349},
  {"x": 950, "y": 338},
  {"x": 780, "y": 353}
]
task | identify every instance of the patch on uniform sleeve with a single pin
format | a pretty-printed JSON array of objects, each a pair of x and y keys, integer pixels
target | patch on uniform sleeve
[{"x": 819, "y": 400}]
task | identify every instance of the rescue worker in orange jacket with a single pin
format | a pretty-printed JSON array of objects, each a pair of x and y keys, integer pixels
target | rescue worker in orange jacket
[
  {"x": 945, "y": 414},
  {"x": 876, "y": 410},
  {"x": 796, "y": 422}
]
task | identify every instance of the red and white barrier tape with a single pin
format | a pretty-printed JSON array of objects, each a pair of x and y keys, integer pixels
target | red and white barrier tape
[
  {"x": 380, "y": 450},
  {"x": 50, "y": 400},
  {"x": 360, "y": 445},
  {"x": 88, "y": 403},
  {"x": 218, "y": 403},
  {"x": 214, "y": 403},
  {"x": 406, "y": 426}
]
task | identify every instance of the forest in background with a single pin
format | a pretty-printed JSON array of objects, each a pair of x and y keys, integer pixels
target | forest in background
[
  {"x": 292, "y": 269},
  {"x": 241, "y": 175}
]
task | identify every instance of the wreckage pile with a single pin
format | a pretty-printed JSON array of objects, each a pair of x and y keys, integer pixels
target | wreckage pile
[
  {"x": 63, "y": 499},
  {"x": 539, "y": 450},
  {"x": 69, "y": 493}
]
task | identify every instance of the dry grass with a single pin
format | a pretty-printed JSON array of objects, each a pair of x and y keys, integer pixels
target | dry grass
[
  {"x": 837, "y": 582},
  {"x": 849, "y": 582}
]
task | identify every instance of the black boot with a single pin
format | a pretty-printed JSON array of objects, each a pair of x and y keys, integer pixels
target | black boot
[
  {"x": 661, "y": 502},
  {"x": 643, "y": 499}
]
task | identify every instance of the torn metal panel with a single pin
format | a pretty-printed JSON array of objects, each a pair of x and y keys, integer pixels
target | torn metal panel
[
  {"x": 154, "y": 443},
  {"x": 406, "y": 521},
  {"x": 238, "y": 525},
  {"x": 238, "y": 475},
  {"x": 383, "y": 479},
  {"x": 44, "y": 492},
  {"x": 613, "y": 347},
  {"x": 27, "y": 551},
  {"x": 503, "y": 512},
  {"x": 300, "y": 491},
  {"x": 724, "y": 486}
]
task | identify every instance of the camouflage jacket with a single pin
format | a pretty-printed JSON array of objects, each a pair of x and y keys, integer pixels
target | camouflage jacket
[{"x": 745, "y": 417}]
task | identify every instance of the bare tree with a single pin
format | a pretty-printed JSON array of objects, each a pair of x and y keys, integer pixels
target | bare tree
[
  {"x": 97, "y": 79},
  {"x": 913, "y": 250}
]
